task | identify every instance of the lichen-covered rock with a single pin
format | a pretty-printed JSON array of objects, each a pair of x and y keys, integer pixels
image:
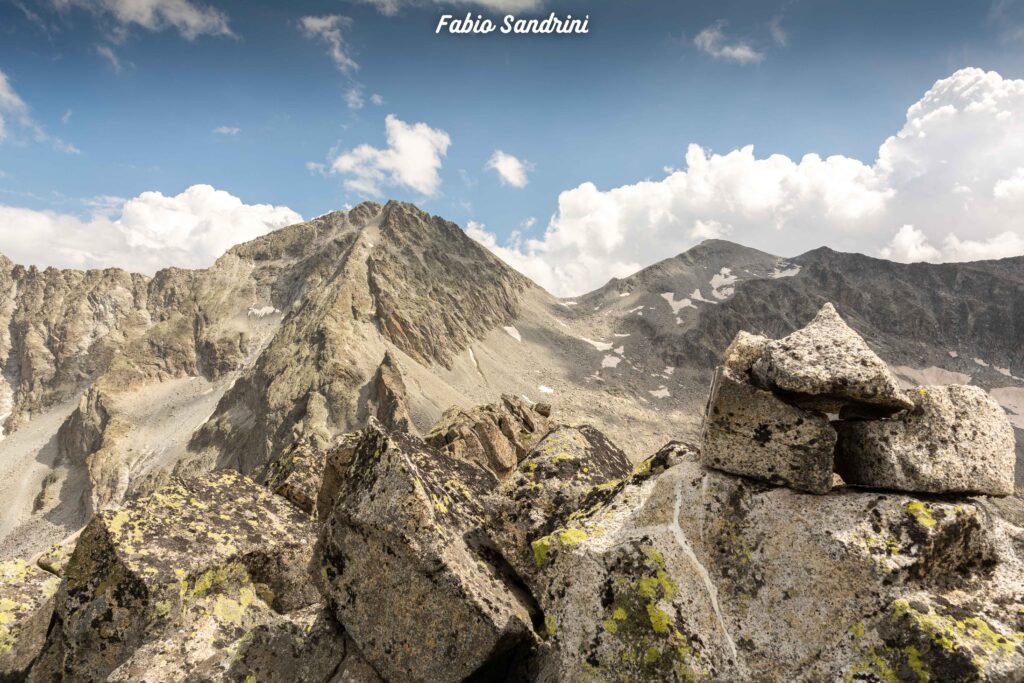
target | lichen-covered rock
[
  {"x": 495, "y": 436},
  {"x": 157, "y": 588},
  {"x": 309, "y": 646},
  {"x": 297, "y": 475},
  {"x": 826, "y": 365},
  {"x": 26, "y": 604},
  {"x": 957, "y": 439},
  {"x": 923, "y": 637},
  {"x": 549, "y": 485},
  {"x": 749, "y": 431},
  {"x": 699, "y": 575},
  {"x": 402, "y": 568},
  {"x": 744, "y": 351},
  {"x": 56, "y": 557}
]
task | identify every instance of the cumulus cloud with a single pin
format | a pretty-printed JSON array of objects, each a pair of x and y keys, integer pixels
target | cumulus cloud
[
  {"x": 328, "y": 28},
  {"x": 412, "y": 159},
  {"x": 142, "y": 234},
  {"x": 948, "y": 186},
  {"x": 392, "y": 7},
  {"x": 227, "y": 130},
  {"x": 510, "y": 170},
  {"x": 15, "y": 119},
  {"x": 714, "y": 42},
  {"x": 190, "y": 19}
]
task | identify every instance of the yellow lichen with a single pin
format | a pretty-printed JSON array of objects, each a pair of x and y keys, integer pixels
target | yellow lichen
[{"x": 921, "y": 513}]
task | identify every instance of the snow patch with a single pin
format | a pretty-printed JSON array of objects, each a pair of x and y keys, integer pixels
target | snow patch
[
  {"x": 981, "y": 362},
  {"x": 677, "y": 306},
  {"x": 660, "y": 392},
  {"x": 600, "y": 346},
  {"x": 568, "y": 303},
  {"x": 953, "y": 354},
  {"x": 697, "y": 296},
  {"x": 669, "y": 370},
  {"x": 1012, "y": 399},
  {"x": 634, "y": 310},
  {"x": 625, "y": 294},
  {"x": 785, "y": 272},
  {"x": 262, "y": 312},
  {"x": 610, "y": 361},
  {"x": 722, "y": 284},
  {"x": 620, "y": 335},
  {"x": 546, "y": 389},
  {"x": 620, "y": 350},
  {"x": 513, "y": 332}
]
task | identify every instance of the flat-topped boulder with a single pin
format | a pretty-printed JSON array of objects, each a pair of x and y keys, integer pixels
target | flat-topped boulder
[
  {"x": 826, "y": 366},
  {"x": 957, "y": 439},
  {"x": 404, "y": 571},
  {"x": 749, "y": 431}
]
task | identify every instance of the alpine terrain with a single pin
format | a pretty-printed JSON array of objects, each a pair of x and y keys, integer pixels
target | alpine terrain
[{"x": 362, "y": 448}]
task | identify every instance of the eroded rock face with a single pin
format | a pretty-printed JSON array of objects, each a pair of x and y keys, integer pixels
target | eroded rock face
[
  {"x": 956, "y": 439},
  {"x": 826, "y": 365},
  {"x": 176, "y": 583},
  {"x": 388, "y": 401},
  {"x": 550, "y": 484},
  {"x": 749, "y": 431},
  {"x": 403, "y": 570},
  {"x": 495, "y": 436},
  {"x": 26, "y": 604}
]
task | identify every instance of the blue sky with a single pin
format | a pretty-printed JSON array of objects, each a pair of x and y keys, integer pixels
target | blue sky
[{"x": 612, "y": 108}]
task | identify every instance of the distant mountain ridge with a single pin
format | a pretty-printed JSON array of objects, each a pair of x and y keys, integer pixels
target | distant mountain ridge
[{"x": 112, "y": 380}]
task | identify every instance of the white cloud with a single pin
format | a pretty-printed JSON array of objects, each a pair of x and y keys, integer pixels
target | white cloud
[
  {"x": 910, "y": 245},
  {"x": 190, "y": 19},
  {"x": 108, "y": 54},
  {"x": 412, "y": 159},
  {"x": 779, "y": 34},
  {"x": 354, "y": 98},
  {"x": 142, "y": 234},
  {"x": 227, "y": 130},
  {"x": 329, "y": 29},
  {"x": 376, "y": 99},
  {"x": 14, "y": 112},
  {"x": 392, "y": 7},
  {"x": 511, "y": 170},
  {"x": 948, "y": 186},
  {"x": 714, "y": 42},
  {"x": 66, "y": 118}
]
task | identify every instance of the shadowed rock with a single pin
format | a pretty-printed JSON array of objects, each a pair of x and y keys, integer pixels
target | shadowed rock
[
  {"x": 403, "y": 569},
  {"x": 749, "y": 431},
  {"x": 179, "y": 581},
  {"x": 387, "y": 399},
  {"x": 26, "y": 604},
  {"x": 956, "y": 440},
  {"x": 826, "y": 365},
  {"x": 550, "y": 484}
]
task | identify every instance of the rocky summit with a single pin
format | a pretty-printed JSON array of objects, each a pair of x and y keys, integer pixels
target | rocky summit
[{"x": 362, "y": 449}]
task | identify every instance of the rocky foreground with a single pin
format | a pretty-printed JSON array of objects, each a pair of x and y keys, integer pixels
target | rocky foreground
[{"x": 828, "y": 526}]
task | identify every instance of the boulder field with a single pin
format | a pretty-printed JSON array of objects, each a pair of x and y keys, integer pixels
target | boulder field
[{"x": 828, "y": 526}]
